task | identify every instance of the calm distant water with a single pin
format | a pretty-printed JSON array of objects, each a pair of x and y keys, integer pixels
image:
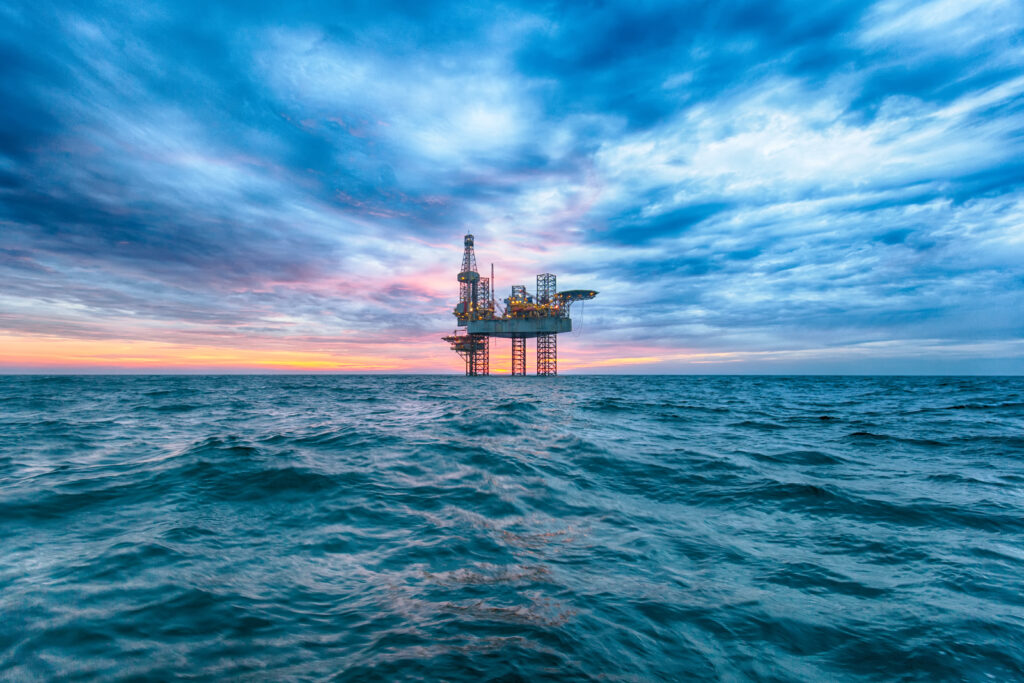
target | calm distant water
[{"x": 578, "y": 528}]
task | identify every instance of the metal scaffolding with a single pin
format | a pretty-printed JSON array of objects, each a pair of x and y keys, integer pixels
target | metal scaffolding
[
  {"x": 518, "y": 355},
  {"x": 547, "y": 355},
  {"x": 546, "y": 289},
  {"x": 479, "y": 361},
  {"x": 474, "y": 349},
  {"x": 484, "y": 303}
]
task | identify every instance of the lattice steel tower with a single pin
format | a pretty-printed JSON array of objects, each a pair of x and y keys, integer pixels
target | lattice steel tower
[
  {"x": 475, "y": 303},
  {"x": 518, "y": 355},
  {"x": 547, "y": 344}
]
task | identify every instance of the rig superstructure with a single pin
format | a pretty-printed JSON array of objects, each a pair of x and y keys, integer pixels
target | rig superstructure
[{"x": 543, "y": 315}]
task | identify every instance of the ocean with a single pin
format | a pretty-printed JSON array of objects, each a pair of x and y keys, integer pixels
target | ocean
[{"x": 383, "y": 528}]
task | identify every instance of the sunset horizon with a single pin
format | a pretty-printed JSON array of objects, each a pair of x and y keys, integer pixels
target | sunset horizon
[{"x": 751, "y": 189}]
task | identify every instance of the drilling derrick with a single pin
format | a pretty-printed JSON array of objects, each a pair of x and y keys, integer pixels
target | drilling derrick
[
  {"x": 543, "y": 316},
  {"x": 469, "y": 282},
  {"x": 475, "y": 302}
]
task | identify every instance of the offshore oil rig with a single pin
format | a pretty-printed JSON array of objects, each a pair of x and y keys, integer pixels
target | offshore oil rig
[{"x": 543, "y": 315}]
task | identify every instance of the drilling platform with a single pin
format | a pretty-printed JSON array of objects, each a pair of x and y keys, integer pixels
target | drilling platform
[{"x": 543, "y": 315}]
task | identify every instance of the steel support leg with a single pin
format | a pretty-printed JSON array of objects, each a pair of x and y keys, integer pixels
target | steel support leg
[
  {"x": 547, "y": 355},
  {"x": 518, "y": 356},
  {"x": 479, "y": 360}
]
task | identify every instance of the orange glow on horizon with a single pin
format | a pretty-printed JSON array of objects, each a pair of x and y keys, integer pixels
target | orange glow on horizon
[
  {"x": 304, "y": 355},
  {"x": 29, "y": 351}
]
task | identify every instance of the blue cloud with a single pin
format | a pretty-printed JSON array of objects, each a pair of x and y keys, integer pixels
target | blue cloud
[{"x": 738, "y": 176}]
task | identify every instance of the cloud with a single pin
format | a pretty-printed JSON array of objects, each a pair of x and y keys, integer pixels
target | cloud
[{"x": 735, "y": 178}]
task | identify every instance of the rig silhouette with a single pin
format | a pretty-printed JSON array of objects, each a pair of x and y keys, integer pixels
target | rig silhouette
[{"x": 543, "y": 315}]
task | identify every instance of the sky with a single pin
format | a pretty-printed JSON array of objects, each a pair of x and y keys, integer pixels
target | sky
[{"x": 752, "y": 187}]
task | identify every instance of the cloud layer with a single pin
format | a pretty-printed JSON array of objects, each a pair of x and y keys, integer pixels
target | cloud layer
[{"x": 751, "y": 186}]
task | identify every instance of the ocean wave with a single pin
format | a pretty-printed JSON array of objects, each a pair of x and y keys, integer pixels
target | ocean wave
[{"x": 582, "y": 528}]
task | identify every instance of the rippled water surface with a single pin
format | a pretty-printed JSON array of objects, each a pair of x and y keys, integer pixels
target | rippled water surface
[{"x": 610, "y": 528}]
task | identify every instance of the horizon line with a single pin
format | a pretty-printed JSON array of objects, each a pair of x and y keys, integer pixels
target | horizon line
[{"x": 452, "y": 374}]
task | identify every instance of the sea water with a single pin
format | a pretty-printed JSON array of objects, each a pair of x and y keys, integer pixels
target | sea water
[{"x": 571, "y": 528}]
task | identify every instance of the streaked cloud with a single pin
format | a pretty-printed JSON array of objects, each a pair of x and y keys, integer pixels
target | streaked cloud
[{"x": 750, "y": 186}]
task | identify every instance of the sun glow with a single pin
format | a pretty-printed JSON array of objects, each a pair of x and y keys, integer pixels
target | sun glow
[{"x": 122, "y": 354}]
